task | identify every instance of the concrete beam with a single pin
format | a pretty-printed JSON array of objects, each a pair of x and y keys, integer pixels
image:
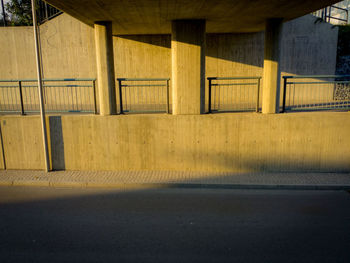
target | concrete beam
[
  {"x": 188, "y": 66},
  {"x": 271, "y": 71},
  {"x": 105, "y": 67}
]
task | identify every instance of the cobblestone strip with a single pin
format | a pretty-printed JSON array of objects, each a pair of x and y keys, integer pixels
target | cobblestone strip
[{"x": 172, "y": 179}]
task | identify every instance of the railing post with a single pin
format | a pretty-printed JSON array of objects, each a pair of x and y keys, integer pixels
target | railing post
[
  {"x": 258, "y": 95},
  {"x": 94, "y": 90},
  {"x": 209, "y": 102},
  {"x": 284, "y": 94},
  {"x": 120, "y": 96},
  {"x": 167, "y": 96},
  {"x": 21, "y": 96}
]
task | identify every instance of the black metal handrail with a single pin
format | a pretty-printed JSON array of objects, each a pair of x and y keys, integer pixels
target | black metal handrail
[
  {"x": 255, "y": 82},
  {"x": 151, "y": 82},
  {"x": 326, "y": 14},
  {"x": 335, "y": 82},
  {"x": 70, "y": 96}
]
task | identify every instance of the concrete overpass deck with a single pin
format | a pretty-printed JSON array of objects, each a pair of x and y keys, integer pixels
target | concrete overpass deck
[{"x": 155, "y": 16}]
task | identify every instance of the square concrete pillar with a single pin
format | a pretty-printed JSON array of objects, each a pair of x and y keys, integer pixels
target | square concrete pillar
[
  {"x": 188, "y": 66},
  {"x": 271, "y": 71},
  {"x": 105, "y": 67}
]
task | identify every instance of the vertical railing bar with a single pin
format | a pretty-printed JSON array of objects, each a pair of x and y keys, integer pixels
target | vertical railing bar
[
  {"x": 258, "y": 95},
  {"x": 284, "y": 94},
  {"x": 158, "y": 100},
  {"x": 126, "y": 98},
  {"x": 76, "y": 98},
  {"x": 80, "y": 99},
  {"x": 167, "y": 97},
  {"x": 94, "y": 92},
  {"x": 13, "y": 106},
  {"x": 47, "y": 91},
  {"x": 30, "y": 99},
  {"x": 120, "y": 96},
  {"x": 209, "y": 97},
  {"x": 133, "y": 95},
  {"x": 21, "y": 96},
  {"x": 71, "y": 105}
]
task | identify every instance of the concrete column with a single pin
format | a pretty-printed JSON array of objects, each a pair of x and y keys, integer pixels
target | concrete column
[
  {"x": 105, "y": 67},
  {"x": 188, "y": 66},
  {"x": 271, "y": 72}
]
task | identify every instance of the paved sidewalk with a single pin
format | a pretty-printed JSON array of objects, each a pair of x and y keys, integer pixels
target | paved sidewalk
[{"x": 171, "y": 179}]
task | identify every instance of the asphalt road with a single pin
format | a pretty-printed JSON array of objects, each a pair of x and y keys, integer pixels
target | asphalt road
[{"x": 175, "y": 225}]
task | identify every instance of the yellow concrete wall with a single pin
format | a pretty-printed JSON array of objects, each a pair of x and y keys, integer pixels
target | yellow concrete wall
[
  {"x": 69, "y": 51},
  {"x": 213, "y": 143},
  {"x": 22, "y": 141}
]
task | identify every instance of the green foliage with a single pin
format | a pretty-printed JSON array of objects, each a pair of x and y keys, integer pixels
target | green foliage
[{"x": 20, "y": 12}]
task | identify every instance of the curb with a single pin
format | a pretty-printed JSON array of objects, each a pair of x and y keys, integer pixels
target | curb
[{"x": 145, "y": 186}]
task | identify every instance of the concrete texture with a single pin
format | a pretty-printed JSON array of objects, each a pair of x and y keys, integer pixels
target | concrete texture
[
  {"x": 105, "y": 68},
  {"x": 188, "y": 66},
  {"x": 154, "y": 17},
  {"x": 24, "y": 148},
  {"x": 69, "y": 52},
  {"x": 272, "y": 68},
  {"x": 208, "y": 143},
  {"x": 138, "y": 180}
]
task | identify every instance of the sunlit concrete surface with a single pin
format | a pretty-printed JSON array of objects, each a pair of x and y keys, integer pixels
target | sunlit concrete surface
[
  {"x": 241, "y": 142},
  {"x": 155, "y": 16},
  {"x": 71, "y": 225}
]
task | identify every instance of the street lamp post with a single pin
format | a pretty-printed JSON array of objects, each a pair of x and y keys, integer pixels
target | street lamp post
[
  {"x": 40, "y": 86},
  {"x": 3, "y": 12}
]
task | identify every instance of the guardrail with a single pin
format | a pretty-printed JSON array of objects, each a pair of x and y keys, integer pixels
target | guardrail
[
  {"x": 318, "y": 92},
  {"x": 138, "y": 95},
  {"x": 234, "y": 94},
  {"x": 328, "y": 14},
  {"x": 21, "y": 96},
  {"x": 46, "y": 11}
]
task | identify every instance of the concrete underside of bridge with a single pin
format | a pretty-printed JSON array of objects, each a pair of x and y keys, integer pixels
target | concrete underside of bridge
[{"x": 155, "y": 16}]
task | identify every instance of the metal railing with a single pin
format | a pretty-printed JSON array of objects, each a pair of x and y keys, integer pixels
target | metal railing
[
  {"x": 143, "y": 95},
  {"x": 318, "y": 92},
  {"x": 46, "y": 12},
  {"x": 21, "y": 96},
  {"x": 328, "y": 14},
  {"x": 234, "y": 94}
]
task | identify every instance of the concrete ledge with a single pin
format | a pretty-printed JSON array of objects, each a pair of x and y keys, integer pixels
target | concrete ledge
[
  {"x": 31, "y": 183},
  {"x": 68, "y": 184},
  {"x": 6, "y": 183}
]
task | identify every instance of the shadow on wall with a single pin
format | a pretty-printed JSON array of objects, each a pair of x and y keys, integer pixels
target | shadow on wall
[
  {"x": 308, "y": 47},
  {"x": 57, "y": 143},
  {"x": 226, "y": 143}
]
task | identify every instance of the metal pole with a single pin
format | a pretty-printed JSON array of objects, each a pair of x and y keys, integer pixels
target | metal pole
[
  {"x": 40, "y": 88},
  {"x": 94, "y": 90},
  {"x": 3, "y": 12},
  {"x": 120, "y": 96},
  {"x": 209, "y": 98},
  {"x": 258, "y": 95},
  {"x": 21, "y": 96},
  {"x": 167, "y": 96},
  {"x": 284, "y": 94}
]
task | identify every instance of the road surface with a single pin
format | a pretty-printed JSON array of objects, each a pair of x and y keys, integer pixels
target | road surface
[{"x": 173, "y": 225}]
